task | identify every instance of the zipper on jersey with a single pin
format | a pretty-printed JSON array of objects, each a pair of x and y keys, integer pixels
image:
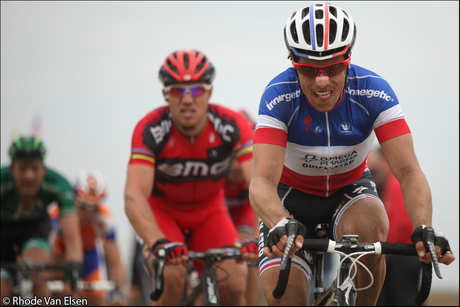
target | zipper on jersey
[{"x": 328, "y": 153}]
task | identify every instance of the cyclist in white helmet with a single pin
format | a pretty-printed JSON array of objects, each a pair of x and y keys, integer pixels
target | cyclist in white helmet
[
  {"x": 96, "y": 227},
  {"x": 315, "y": 129}
]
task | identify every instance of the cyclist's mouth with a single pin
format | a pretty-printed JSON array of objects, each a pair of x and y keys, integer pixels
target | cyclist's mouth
[
  {"x": 187, "y": 113},
  {"x": 323, "y": 95}
]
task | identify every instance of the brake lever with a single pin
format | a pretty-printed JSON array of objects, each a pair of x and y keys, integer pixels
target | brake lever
[{"x": 432, "y": 249}]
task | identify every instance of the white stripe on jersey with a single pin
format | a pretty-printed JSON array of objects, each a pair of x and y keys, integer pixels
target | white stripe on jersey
[
  {"x": 264, "y": 121},
  {"x": 392, "y": 114},
  {"x": 323, "y": 160}
]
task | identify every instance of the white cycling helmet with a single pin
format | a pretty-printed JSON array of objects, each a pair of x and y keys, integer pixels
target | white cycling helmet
[
  {"x": 90, "y": 188},
  {"x": 319, "y": 32}
]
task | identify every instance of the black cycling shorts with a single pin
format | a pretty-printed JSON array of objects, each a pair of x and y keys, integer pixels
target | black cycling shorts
[
  {"x": 19, "y": 232},
  {"x": 311, "y": 210}
]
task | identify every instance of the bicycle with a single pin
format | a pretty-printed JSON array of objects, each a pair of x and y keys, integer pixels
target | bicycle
[
  {"x": 208, "y": 281},
  {"x": 342, "y": 291},
  {"x": 22, "y": 275}
]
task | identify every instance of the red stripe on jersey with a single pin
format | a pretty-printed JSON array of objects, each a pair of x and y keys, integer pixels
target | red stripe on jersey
[
  {"x": 318, "y": 185},
  {"x": 391, "y": 130},
  {"x": 326, "y": 26},
  {"x": 270, "y": 136}
]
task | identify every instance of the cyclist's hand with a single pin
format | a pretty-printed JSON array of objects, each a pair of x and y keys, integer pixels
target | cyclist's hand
[
  {"x": 249, "y": 250},
  {"x": 277, "y": 239},
  {"x": 175, "y": 253},
  {"x": 442, "y": 247}
]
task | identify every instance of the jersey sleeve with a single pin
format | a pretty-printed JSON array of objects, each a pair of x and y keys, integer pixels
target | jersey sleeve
[
  {"x": 105, "y": 226},
  {"x": 243, "y": 147},
  {"x": 386, "y": 112},
  {"x": 63, "y": 193},
  {"x": 274, "y": 110},
  {"x": 140, "y": 153},
  {"x": 150, "y": 136}
]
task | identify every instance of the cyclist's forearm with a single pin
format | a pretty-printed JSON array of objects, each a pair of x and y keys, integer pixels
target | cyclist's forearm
[
  {"x": 113, "y": 259},
  {"x": 417, "y": 198},
  {"x": 140, "y": 215},
  {"x": 266, "y": 203},
  {"x": 71, "y": 234}
]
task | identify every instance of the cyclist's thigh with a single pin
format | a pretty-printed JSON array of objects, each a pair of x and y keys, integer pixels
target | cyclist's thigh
[
  {"x": 215, "y": 230},
  {"x": 360, "y": 211},
  {"x": 296, "y": 291},
  {"x": 168, "y": 222},
  {"x": 302, "y": 260},
  {"x": 308, "y": 209}
]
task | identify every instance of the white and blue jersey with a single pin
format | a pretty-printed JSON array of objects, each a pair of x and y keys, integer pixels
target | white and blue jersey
[{"x": 326, "y": 151}]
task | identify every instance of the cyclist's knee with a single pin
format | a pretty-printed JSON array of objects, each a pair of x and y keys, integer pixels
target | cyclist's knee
[
  {"x": 366, "y": 218},
  {"x": 173, "y": 274}
]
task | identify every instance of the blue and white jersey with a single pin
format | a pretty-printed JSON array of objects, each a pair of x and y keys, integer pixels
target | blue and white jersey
[{"x": 326, "y": 151}]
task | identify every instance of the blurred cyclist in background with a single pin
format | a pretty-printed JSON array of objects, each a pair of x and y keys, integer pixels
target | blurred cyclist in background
[
  {"x": 403, "y": 274},
  {"x": 243, "y": 216},
  {"x": 28, "y": 187},
  {"x": 181, "y": 154},
  {"x": 96, "y": 227}
]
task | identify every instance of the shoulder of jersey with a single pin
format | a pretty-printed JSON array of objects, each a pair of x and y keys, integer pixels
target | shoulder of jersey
[
  {"x": 53, "y": 177},
  {"x": 155, "y": 116}
]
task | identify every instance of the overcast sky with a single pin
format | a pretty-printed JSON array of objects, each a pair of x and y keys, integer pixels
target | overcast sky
[{"x": 88, "y": 72}]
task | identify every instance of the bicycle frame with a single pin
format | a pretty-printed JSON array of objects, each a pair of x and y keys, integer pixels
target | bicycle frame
[{"x": 333, "y": 294}]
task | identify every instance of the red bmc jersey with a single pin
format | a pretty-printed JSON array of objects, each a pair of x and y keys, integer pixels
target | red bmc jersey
[{"x": 191, "y": 170}]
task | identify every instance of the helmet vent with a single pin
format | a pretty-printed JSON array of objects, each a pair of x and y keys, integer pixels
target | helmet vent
[
  {"x": 186, "y": 61},
  {"x": 319, "y": 14},
  {"x": 333, "y": 11},
  {"x": 332, "y": 31},
  {"x": 306, "y": 32},
  {"x": 346, "y": 14},
  {"x": 294, "y": 33},
  {"x": 319, "y": 35},
  {"x": 172, "y": 67},
  {"x": 305, "y": 12},
  {"x": 345, "y": 31}
]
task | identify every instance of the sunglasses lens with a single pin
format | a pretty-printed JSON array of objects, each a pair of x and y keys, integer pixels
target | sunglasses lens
[
  {"x": 195, "y": 91},
  {"x": 177, "y": 91},
  {"x": 329, "y": 70}
]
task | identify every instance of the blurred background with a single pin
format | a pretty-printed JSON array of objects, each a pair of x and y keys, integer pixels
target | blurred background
[{"x": 82, "y": 74}]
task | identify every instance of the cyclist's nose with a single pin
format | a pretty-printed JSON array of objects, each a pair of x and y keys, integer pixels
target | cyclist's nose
[
  {"x": 187, "y": 97},
  {"x": 322, "y": 79}
]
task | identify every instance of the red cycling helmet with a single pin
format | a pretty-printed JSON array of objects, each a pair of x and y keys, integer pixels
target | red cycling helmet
[{"x": 190, "y": 66}]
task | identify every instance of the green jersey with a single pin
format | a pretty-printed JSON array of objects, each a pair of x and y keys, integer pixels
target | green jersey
[{"x": 54, "y": 188}]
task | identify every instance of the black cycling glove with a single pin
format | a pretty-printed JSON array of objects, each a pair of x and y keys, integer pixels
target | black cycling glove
[
  {"x": 280, "y": 229},
  {"x": 421, "y": 233}
]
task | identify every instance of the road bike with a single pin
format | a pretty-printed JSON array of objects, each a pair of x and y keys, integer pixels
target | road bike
[
  {"x": 22, "y": 272},
  {"x": 342, "y": 291},
  {"x": 207, "y": 284}
]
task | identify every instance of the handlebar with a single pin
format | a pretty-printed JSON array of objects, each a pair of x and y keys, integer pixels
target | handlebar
[
  {"x": 209, "y": 256},
  {"x": 28, "y": 267},
  {"x": 326, "y": 245}
]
